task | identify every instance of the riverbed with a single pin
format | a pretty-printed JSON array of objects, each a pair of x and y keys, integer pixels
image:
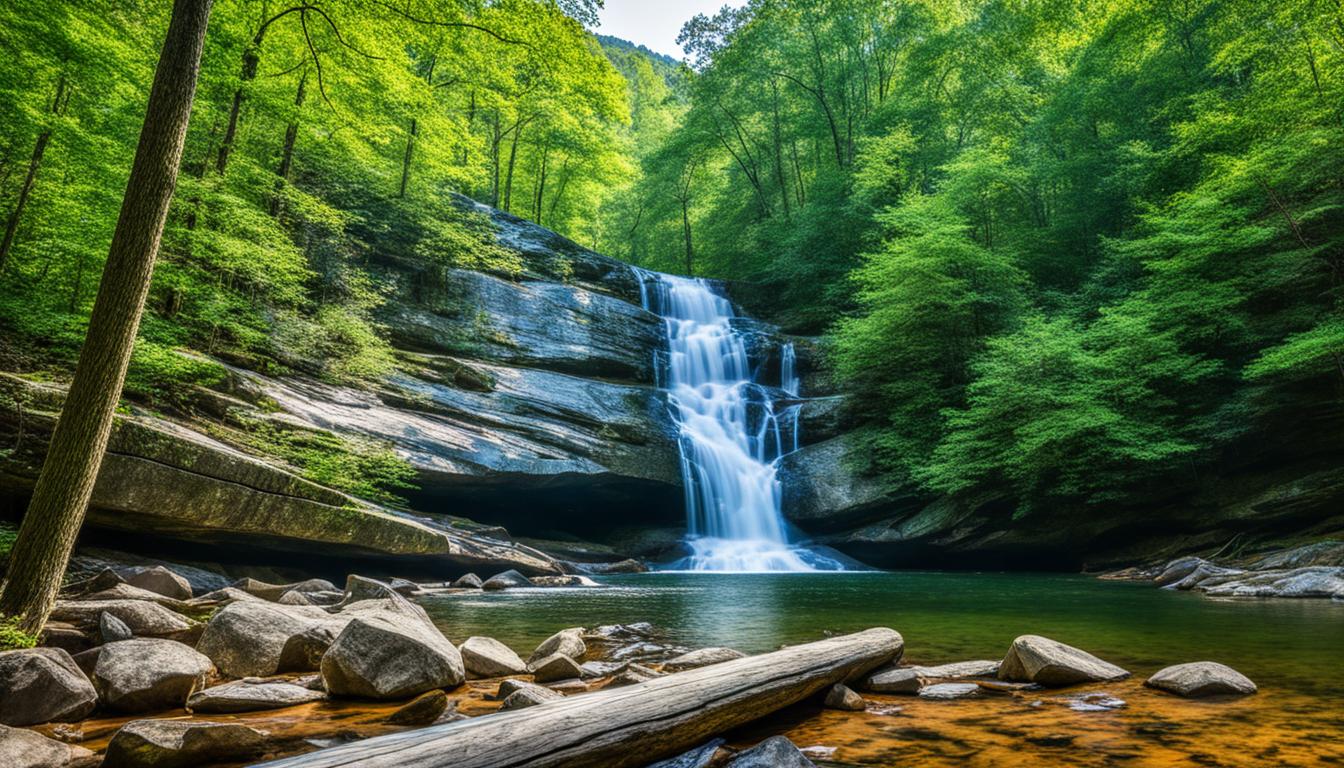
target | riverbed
[{"x": 1294, "y": 650}]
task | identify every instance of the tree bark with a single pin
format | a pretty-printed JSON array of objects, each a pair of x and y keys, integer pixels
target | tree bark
[
  {"x": 406, "y": 158},
  {"x": 34, "y": 163},
  {"x": 287, "y": 154},
  {"x": 61, "y": 496},
  {"x": 628, "y": 726}
]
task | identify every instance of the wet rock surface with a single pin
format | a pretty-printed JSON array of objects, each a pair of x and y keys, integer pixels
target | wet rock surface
[
  {"x": 142, "y": 675},
  {"x": 1200, "y": 679},
  {"x": 1037, "y": 659},
  {"x": 39, "y": 685},
  {"x": 178, "y": 744}
]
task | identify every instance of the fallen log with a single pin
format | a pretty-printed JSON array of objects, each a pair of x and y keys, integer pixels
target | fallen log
[{"x": 630, "y": 726}]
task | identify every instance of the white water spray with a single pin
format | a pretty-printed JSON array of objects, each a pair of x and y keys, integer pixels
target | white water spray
[{"x": 730, "y": 439}]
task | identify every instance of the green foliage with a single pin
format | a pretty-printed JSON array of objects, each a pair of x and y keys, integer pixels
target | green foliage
[{"x": 12, "y": 637}]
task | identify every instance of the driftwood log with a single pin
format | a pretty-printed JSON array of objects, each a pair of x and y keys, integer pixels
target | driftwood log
[{"x": 629, "y": 726}]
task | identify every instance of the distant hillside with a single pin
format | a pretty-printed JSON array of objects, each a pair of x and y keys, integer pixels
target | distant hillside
[{"x": 622, "y": 44}]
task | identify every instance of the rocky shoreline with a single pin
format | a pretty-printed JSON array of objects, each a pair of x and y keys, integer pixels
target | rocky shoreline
[
  {"x": 148, "y": 673},
  {"x": 1313, "y": 570}
]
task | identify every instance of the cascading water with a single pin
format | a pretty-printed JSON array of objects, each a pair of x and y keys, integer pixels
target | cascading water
[{"x": 731, "y": 437}]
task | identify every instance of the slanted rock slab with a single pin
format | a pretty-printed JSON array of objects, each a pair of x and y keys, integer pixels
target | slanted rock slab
[
  {"x": 424, "y": 710},
  {"x": 911, "y": 679},
  {"x": 1198, "y": 679},
  {"x": 487, "y": 657},
  {"x": 111, "y": 629},
  {"x": 43, "y": 685},
  {"x": 1036, "y": 659},
  {"x": 506, "y": 580},
  {"x": 528, "y": 695},
  {"x": 22, "y": 748},
  {"x": 245, "y": 696},
  {"x": 566, "y": 641},
  {"x": 181, "y": 744},
  {"x": 702, "y": 756},
  {"x": 949, "y": 691},
  {"x": 158, "y": 579},
  {"x": 143, "y": 618},
  {"x": 468, "y": 581},
  {"x": 143, "y": 674}
]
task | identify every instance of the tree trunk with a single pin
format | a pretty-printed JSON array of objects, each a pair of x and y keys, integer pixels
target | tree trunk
[
  {"x": 513, "y": 158},
  {"x": 61, "y": 496},
  {"x": 12, "y": 225},
  {"x": 686, "y": 234},
  {"x": 287, "y": 154},
  {"x": 628, "y": 726},
  {"x": 406, "y": 158},
  {"x": 251, "y": 58}
]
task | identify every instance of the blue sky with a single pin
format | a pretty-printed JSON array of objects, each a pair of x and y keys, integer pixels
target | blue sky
[{"x": 654, "y": 23}]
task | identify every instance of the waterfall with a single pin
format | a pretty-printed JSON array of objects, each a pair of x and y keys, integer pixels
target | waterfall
[{"x": 730, "y": 434}]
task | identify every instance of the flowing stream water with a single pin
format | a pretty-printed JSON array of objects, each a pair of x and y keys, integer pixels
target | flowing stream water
[{"x": 731, "y": 436}]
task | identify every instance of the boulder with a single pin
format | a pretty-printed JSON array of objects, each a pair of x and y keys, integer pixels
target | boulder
[
  {"x": 841, "y": 697},
  {"x": 247, "y": 696},
  {"x": 1036, "y": 659},
  {"x": 774, "y": 752},
  {"x": 566, "y": 641},
  {"x": 42, "y": 685},
  {"x": 506, "y": 580},
  {"x": 22, "y": 748},
  {"x": 143, "y": 674},
  {"x": 563, "y": 581},
  {"x": 911, "y": 679},
  {"x": 1177, "y": 569},
  {"x": 557, "y": 666},
  {"x": 58, "y": 634},
  {"x": 528, "y": 695},
  {"x": 223, "y": 596},
  {"x": 594, "y": 669},
  {"x": 360, "y": 588},
  {"x": 181, "y": 744},
  {"x": 1198, "y": 679},
  {"x": 507, "y": 687},
  {"x": 469, "y": 581},
  {"x": 160, "y": 580},
  {"x": 404, "y": 587},
  {"x": 1313, "y": 581},
  {"x": 144, "y": 619},
  {"x": 131, "y": 592},
  {"x": 702, "y": 756},
  {"x": 295, "y": 598},
  {"x": 702, "y": 658},
  {"x": 111, "y": 629},
  {"x": 424, "y": 710},
  {"x": 258, "y": 639},
  {"x": 390, "y": 657},
  {"x": 487, "y": 657},
  {"x": 949, "y": 691}
]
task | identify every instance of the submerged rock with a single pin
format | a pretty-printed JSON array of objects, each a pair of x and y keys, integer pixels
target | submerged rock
[
  {"x": 1202, "y": 678},
  {"x": 22, "y": 748},
  {"x": 384, "y": 657},
  {"x": 557, "y": 666},
  {"x": 181, "y": 744},
  {"x": 506, "y": 580},
  {"x": 949, "y": 691},
  {"x": 567, "y": 641},
  {"x": 142, "y": 675},
  {"x": 424, "y": 710},
  {"x": 702, "y": 658},
  {"x": 911, "y": 679},
  {"x": 1037, "y": 659},
  {"x": 41, "y": 685},
  {"x": 245, "y": 696},
  {"x": 774, "y": 752},
  {"x": 841, "y": 697},
  {"x": 487, "y": 657}
]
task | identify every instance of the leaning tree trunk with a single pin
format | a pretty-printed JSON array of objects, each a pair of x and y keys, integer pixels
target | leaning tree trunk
[{"x": 61, "y": 497}]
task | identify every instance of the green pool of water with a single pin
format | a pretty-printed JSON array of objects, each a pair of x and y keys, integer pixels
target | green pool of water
[{"x": 943, "y": 616}]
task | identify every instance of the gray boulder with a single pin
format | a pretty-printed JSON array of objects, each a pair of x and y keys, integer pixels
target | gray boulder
[
  {"x": 633, "y": 674},
  {"x": 774, "y": 752},
  {"x": 390, "y": 657},
  {"x": 246, "y": 696},
  {"x": 131, "y": 592},
  {"x": 507, "y": 580},
  {"x": 949, "y": 691},
  {"x": 22, "y": 748},
  {"x": 1178, "y": 569},
  {"x": 487, "y": 657},
  {"x": 159, "y": 580},
  {"x": 143, "y": 674},
  {"x": 702, "y": 658},
  {"x": 181, "y": 744},
  {"x": 557, "y": 666},
  {"x": 42, "y": 685},
  {"x": 1198, "y": 679},
  {"x": 111, "y": 629},
  {"x": 469, "y": 581},
  {"x": 563, "y": 581},
  {"x": 566, "y": 641},
  {"x": 1036, "y": 659},
  {"x": 258, "y": 639},
  {"x": 702, "y": 756},
  {"x": 841, "y": 697},
  {"x": 527, "y": 695},
  {"x": 911, "y": 679}
]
